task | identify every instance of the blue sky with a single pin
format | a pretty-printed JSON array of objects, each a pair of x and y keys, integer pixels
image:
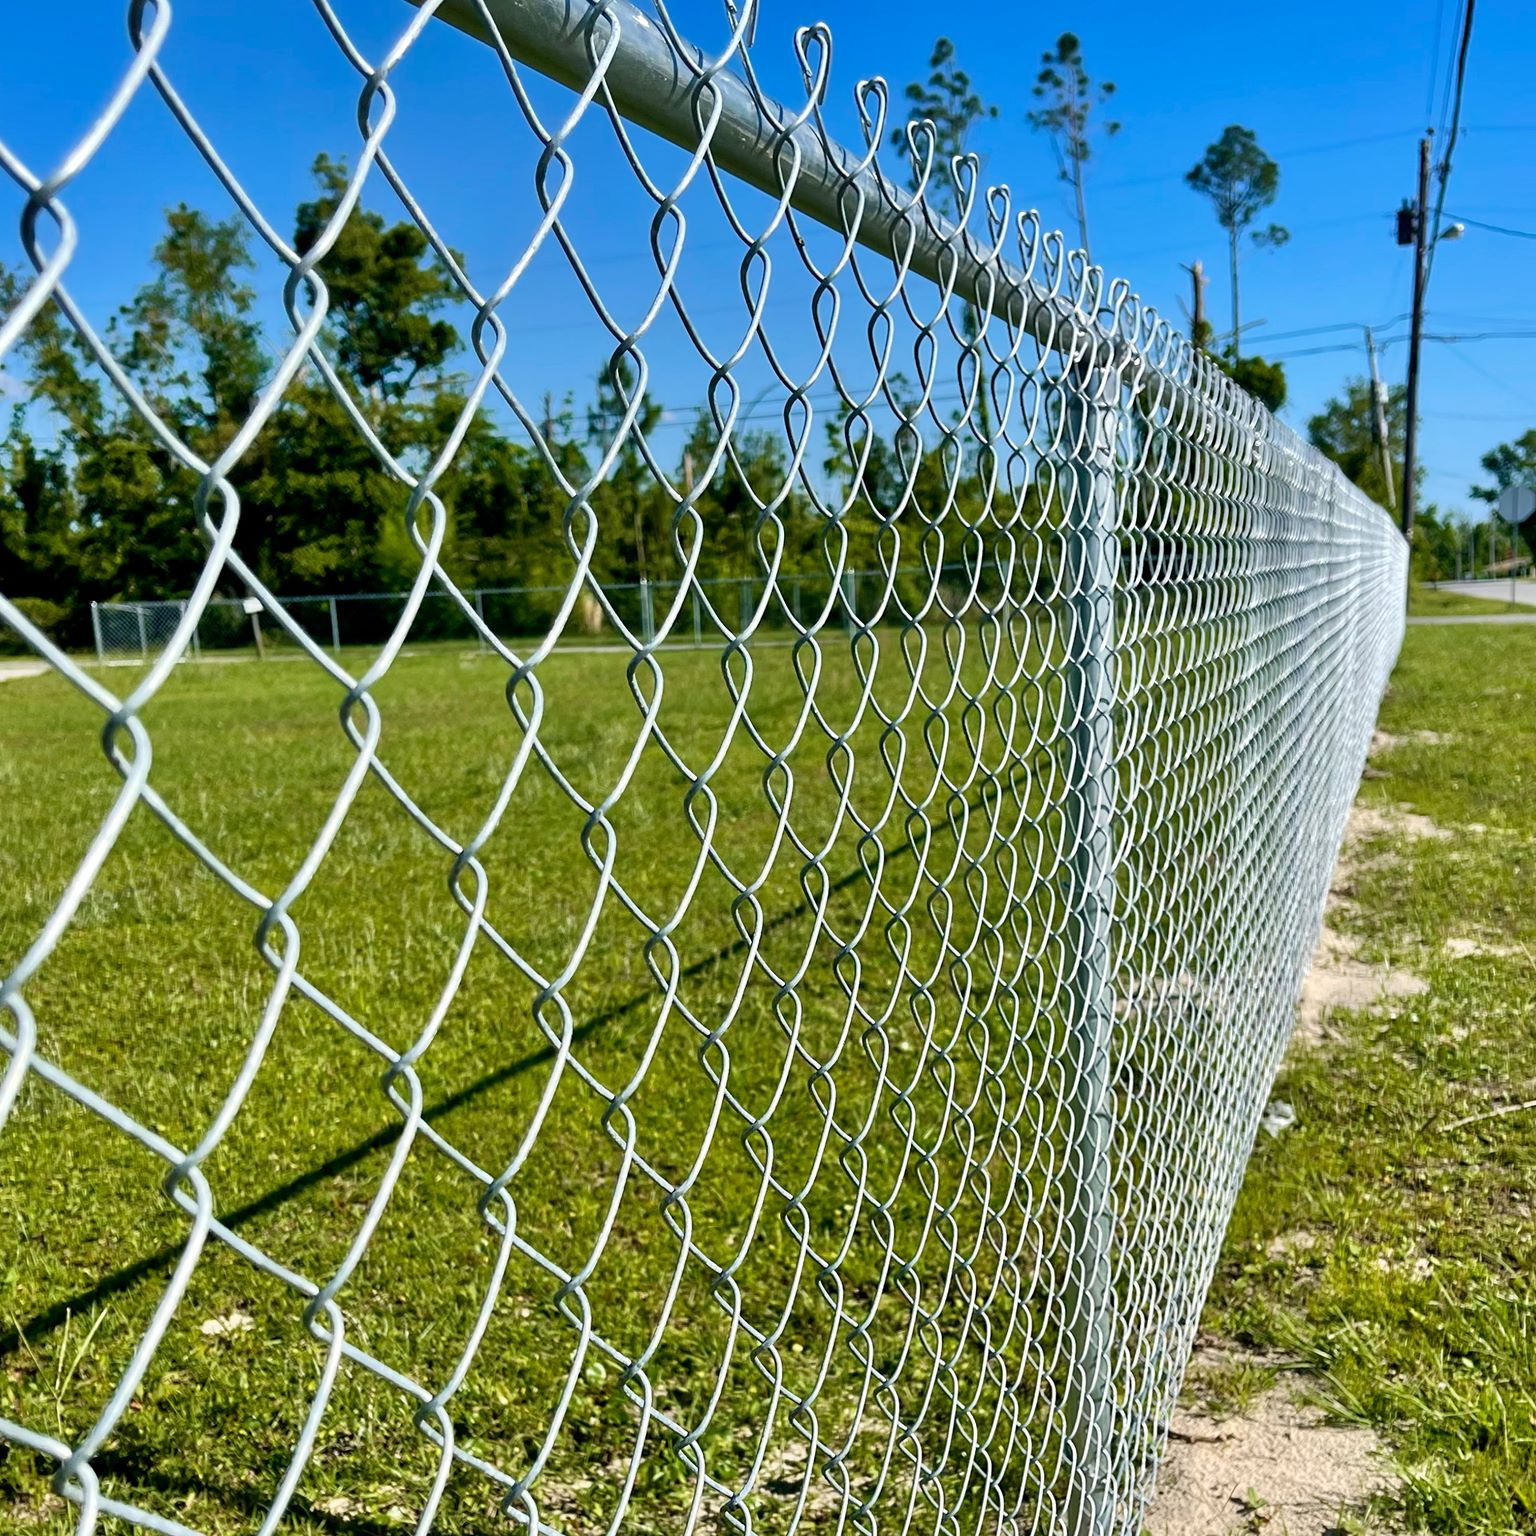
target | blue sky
[{"x": 1338, "y": 93}]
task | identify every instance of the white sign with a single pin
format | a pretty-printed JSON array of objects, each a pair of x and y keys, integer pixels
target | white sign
[
  {"x": 252, "y": 605},
  {"x": 1517, "y": 503}
]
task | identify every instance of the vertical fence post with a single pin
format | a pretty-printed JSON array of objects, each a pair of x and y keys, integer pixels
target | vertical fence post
[
  {"x": 647, "y": 612},
  {"x": 335, "y": 628},
  {"x": 101, "y": 655},
  {"x": 138, "y": 608},
  {"x": 1091, "y": 551},
  {"x": 698, "y": 619}
]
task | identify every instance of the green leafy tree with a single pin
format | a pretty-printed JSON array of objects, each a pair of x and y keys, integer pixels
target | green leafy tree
[
  {"x": 740, "y": 539},
  {"x": 92, "y": 506},
  {"x": 1509, "y": 464},
  {"x": 1435, "y": 541},
  {"x": 630, "y": 505},
  {"x": 1345, "y": 431},
  {"x": 1512, "y": 464},
  {"x": 1241, "y": 181},
  {"x": 1263, "y": 380},
  {"x": 508, "y": 509},
  {"x": 385, "y": 292},
  {"x": 1068, "y": 97},
  {"x": 949, "y": 101},
  {"x": 332, "y": 515},
  {"x": 192, "y": 339},
  {"x": 125, "y": 503}
]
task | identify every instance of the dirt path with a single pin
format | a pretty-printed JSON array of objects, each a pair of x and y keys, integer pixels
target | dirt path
[{"x": 1278, "y": 1466}]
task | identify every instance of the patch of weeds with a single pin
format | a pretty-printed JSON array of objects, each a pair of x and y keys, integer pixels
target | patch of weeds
[
  {"x": 1430, "y": 602},
  {"x": 1413, "y": 1303},
  {"x": 1226, "y": 1387}
]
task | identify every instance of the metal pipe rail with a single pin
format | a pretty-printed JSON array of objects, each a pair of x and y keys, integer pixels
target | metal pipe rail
[{"x": 657, "y": 83}]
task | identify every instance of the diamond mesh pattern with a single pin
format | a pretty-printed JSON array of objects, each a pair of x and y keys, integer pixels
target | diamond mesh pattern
[{"x": 954, "y": 915}]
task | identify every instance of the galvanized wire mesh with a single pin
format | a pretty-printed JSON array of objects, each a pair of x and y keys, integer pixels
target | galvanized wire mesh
[{"x": 991, "y": 881}]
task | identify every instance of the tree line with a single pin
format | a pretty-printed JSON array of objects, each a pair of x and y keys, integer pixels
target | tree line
[{"x": 94, "y": 507}]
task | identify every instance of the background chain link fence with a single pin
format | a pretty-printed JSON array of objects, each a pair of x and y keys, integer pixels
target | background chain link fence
[
  {"x": 141, "y": 630},
  {"x": 773, "y": 1048}
]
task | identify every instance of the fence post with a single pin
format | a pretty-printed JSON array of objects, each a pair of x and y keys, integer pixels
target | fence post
[
  {"x": 698, "y": 622},
  {"x": 647, "y": 612},
  {"x": 101, "y": 655},
  {"x": 1091, "y": 550},
  {"x": 480, "y": 642},
  {"x": 335, "y": 629},
  {"x": 138, "y": 608}
]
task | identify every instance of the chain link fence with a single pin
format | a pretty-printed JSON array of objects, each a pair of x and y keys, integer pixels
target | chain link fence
[
  {"x": 140, "y": 631},
  {"x": 791, "y": 1071}
]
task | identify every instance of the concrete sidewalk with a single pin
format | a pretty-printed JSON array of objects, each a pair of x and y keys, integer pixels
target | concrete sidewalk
[
  {"x": 1500, "y": 591},
  {"x": 1478, "y": 618}
]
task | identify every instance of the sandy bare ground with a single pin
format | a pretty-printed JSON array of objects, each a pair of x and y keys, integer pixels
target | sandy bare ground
[
  {"x": 1338, "y": 978},
  {"x": 1280, "y": 1467}
]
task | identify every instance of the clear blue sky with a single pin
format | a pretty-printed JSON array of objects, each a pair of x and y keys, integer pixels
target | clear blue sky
[{"x": 1337, "y": 93}]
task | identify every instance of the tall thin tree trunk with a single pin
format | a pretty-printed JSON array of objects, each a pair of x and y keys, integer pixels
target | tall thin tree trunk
[
  {"x": 1082, "y": 207},
  {"x": 1237, "y": 339}
]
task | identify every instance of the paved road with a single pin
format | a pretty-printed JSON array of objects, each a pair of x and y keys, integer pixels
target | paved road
[
  {"x": 1479, "y": 618},
  {"x": 1504, "y": 591}
]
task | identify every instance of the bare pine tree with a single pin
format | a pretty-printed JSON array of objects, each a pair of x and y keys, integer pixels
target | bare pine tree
[{"x": 1068, "y": 98}]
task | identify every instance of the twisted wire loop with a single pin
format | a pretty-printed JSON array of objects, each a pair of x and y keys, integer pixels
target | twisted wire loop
[{"x": 913, "y": 946}]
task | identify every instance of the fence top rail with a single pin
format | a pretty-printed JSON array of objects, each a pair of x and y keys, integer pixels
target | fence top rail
[{"x": 659, "y": 81}]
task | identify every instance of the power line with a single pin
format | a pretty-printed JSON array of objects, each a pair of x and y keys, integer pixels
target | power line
[
  {"x": 1394, "y": 136},
  {"x": 1477, "y": 415},
  {"x": 1337, "y": 325},
  {"x": 1445, "y": 338},
  {"x": 1498, "y": 229},
  {"x": 1451, "y": 132},
  {"x": 1434, "y": 60},
  {"x": 1509, "y": 389},
  {"x": 1462, "y": 336},
  {"x": 1439, "y": 125}
]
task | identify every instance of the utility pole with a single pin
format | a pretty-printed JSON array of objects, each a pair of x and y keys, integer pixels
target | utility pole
[
  {"x": 1199, "y": 328},
  {"x": 1420, "y": 247},
  {"x": 1379, "y": 420}
]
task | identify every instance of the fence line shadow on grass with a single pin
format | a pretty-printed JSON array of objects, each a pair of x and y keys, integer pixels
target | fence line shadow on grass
[{"x": 121, "y": 1280}]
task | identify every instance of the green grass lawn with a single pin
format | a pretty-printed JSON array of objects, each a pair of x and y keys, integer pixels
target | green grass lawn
[
  {"x": 1414, "y": 1299},
  {"x": 1430, "y": 602},
  {"x": 907, "y": 1050},
  {"x": 575, "y": 1090}
]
